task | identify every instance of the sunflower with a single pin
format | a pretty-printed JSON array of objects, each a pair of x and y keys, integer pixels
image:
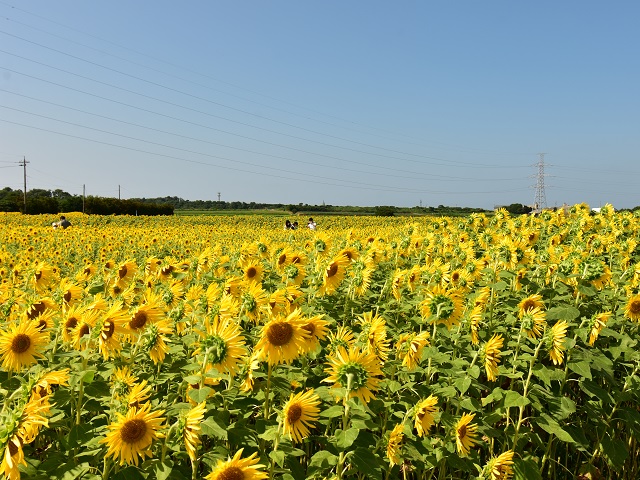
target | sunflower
[
  {"x": 252, "y": 270},
  {"x": 529, "y": 303},
  {"x": 411, "y": 345},
  {"x": 443, "y": 306},
  {"x": 492, "y": 356},
  {"x": 222, "y": 344},
  {"x": 594, "y": 270},
  {"x": 396, "y": 283},
  {"x": 282, "y": 339},
  {"x": 294, "y": 273},
  {"x": 21, "y": 345},
  {"x": 39, "y": 308},
  {"x": 131, "y": 435},
  {"x": 253, "y": 301},
  {"x": 425, "y": 411},
  {"x": 154, "y": 340},
  {"x": 394, "y": 444},
  {"x": 145, "y": 315},
  {"x": 597, "y": 324},
  {"x": 373, "y": 337},
  {"x": 534, "y": 322},
  {"x": 355, "y": 371},
  {"x": 465, "y": 434},
  {"x": 82, "y": 329},
  {"x": 70, "y": 291},
  {"x": 43, "y": 276},
  {"x": 299, "y": 414},
  {"x": 555, "y": 341},
  {"x": 113, "y": 330},
  {"x": 191, "y": 430},
  {"x": 125, "y": 272},
  {"x": 499, "y": 468},
  {"x": 333, "y": 275},
  {"x": 342, "y": 338},
  {"x": 361, "y": 274},
  {"x": 318, "y": 329},
  {"x": 632, "y": 309},
  {"x": 137, "y": 394},
  {"x": 475, "y": 317},
  {"x": 12, "y": 457},
  {"x": 413, "y": 277},
  {"x": 238, "y": 468}
]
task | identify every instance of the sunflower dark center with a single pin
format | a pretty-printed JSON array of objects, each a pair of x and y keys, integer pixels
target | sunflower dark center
[
  {"x": 117, "y": 290},
  {"x": 294, "y": 413},
  {"x": 634, "y": 308},
  {"x": 67, "y": 296},
  {"x": 231, "y": 473},
  {"x": 36, "y": 309},
  {"x": 310, "y": 327},
  {"x": 84, "y": 330},
  {"x": 87, "y": 271},
  {"x": 279, "y": 334},
  {"x": 123, "y": 271},
  {"x": 108, "y": 329},
  {"x": 38, "y": 275},
  {"x": 71, "y": 323},
  {"x": 138, "y": 321},
  {"x": 251, "y": 272},
  {"x": 281, "y": 259},
  {"x": 462, "y": 431},
  {"x": 133, "y": 430},
  {"x": 332, "y": 270},
  {"x": 13, "y": 449},
  {"x": 528, "y": 305},
  {"x": 20, "y": 343}
]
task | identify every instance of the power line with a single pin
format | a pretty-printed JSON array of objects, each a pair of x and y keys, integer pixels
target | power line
[
  {"x": 369, "y": 165},
  {"x": 326, "y": 144},
  {"x": 314, "y": 181}
]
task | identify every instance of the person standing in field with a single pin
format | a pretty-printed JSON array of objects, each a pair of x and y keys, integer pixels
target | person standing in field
[
  {"x": 311, "y": 224},
  {"x": 287, "y": 224}
]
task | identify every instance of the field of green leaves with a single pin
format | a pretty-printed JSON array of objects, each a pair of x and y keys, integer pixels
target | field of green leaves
[{"x": 227, "y": 348}]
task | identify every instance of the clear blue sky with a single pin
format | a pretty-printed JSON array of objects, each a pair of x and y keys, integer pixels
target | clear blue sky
[{"x": 342, "y": 102}]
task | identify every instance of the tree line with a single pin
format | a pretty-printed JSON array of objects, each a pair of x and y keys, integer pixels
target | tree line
[{"x": 58, "y": 201}]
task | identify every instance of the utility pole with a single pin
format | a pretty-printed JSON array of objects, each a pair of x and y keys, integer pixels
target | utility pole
[
  {"x": 24, "y": 165},
  {"x": 540, "y": 200},
  {"x": 218, "y": 196},
  {"x": 118, "y": 192}
]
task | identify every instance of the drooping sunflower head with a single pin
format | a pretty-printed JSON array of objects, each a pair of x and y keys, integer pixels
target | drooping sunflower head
[
  {"x": 333, "y": 275},
  {"x": 554, "y": 341},
  {"x": 465, "y": 433},
  {"x": 299, "y": 414},
  {"x": 598, "y": 322},
  {"x": 500, "y": 467},
  {"x": 424, "y": 415},
  {"x": 534, "y": 322},
  {"x": 529, "y": 303},
  {"x": 491, "y": 354},
  {"x": 632, "y": 309},
  {"x": 394, "y": 444}
]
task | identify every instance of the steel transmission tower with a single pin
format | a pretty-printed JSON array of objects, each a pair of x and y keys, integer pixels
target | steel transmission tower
[{"x": 540, "y": 200}]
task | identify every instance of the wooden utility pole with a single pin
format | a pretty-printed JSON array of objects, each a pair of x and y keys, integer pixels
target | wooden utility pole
[{"x": 24, "y": 165}]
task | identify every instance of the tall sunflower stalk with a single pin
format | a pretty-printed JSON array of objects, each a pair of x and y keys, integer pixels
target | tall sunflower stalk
[{"x": 525, "y": 391}]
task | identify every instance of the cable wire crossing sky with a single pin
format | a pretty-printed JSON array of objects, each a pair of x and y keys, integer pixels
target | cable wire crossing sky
[{"x": 344, "y": 103}]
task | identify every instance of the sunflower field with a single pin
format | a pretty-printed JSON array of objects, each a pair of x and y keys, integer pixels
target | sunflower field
[{"x": 227, "y": 348}]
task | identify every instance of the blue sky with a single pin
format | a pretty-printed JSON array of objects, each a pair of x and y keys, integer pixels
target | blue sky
[{"x": 347, "y": 103}]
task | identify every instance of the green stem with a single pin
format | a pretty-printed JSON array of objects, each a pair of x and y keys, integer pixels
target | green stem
[
  {"x": 525, "y": 391},
  {"x": 267, "y": 405},
  {"x": 106, "y": 469}
]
